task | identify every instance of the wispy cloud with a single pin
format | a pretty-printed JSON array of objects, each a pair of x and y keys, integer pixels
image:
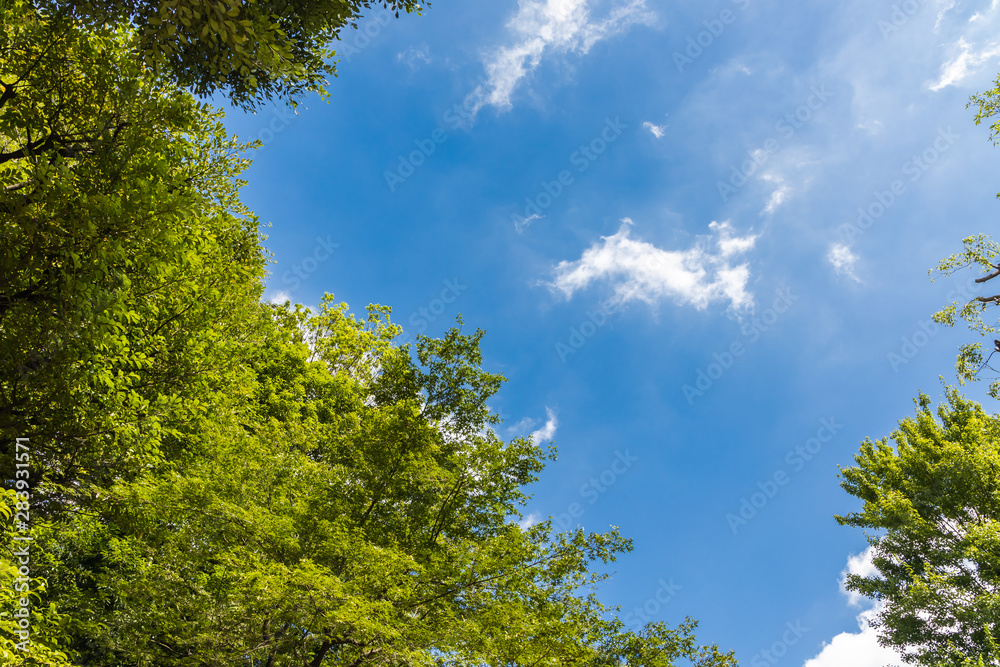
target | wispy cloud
[
  {"x": 548, "y": 431},
  {"x": 776, "y": 199},
  {"x": 843, "y": 260},
  {"x": 639, "y": 270},
  {"x": 549, "y": 26},
  {"x": 414, "y": 57},
  {"x": 657, "y": 130},
  {"x": 524, "y": 223},
  {"x": 964, "y": 64},
  {"x": 779, "y": 195},
  {"x": 941, "y": 13},
  {"x": 979, "y": 16}
]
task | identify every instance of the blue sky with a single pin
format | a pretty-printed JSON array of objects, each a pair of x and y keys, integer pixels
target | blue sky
[{"x": 697, "y": 235}]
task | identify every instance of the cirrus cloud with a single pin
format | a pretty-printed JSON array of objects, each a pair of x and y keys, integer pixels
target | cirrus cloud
[{"x": 549, "y": 26}]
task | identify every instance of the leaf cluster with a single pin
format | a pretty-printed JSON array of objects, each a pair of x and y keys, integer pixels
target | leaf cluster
[
  {"x": 931, "y": 502},
  {"x": 217, "y": 481},
  {"x": 251, "y": 50}
]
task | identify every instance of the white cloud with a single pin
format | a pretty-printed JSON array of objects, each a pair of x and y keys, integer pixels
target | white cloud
[
  {"x": 657, "y": 130},
  {"x": 964, "y": 64},
  {"x": 547, "y": 432},
  {"x": 639, "y": 270},
  {"x": 944, "y": 10},
  {"x": 857, "y": 649},
  {"x": 523, "y": 223},
  {"x": 776, "y": 199},
  {"x": 541, "y": 26},
  {"x": 782, "y": 190},
  {"x": 521, "y": 426},
  {"x": 872, "y": 126},
  {"x": 414, "y": 57},
  {"x": 978, "y": 16},
  {"x": 730, "y": 245},
  {"x": 860, "y": 649},
  {"x": 860, "y": 564},
  {"x": 779, "y": 195},
  {"x": 843, "y": 260},
  {"x": 280, "y": 297},
  {"x": 530, "y": 520}
]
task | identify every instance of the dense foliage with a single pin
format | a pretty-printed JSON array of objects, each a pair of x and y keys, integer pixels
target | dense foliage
[
  {"x": 196, "y": 478},
  {"x": 932, "y": 506},
  {"x": 209, "y": 480},
  {"x": 251, "y": 50},
  {"x": 127, "y": 264}
]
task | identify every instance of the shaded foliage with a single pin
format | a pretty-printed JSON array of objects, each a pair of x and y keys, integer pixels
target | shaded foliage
[{"x": 250, "y": 50}]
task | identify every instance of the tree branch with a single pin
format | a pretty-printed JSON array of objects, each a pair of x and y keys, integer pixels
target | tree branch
[
  {"x": 321, "y": 653},
  {"x": 991, "y": 276}
]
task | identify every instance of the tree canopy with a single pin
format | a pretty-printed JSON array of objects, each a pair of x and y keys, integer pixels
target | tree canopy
[
  {"x": 355, "y": 510},
  {"x": 207, "y": 479},
  {"x": 931, "y": 499},
  {"x": 127, "y": 263},
  {"x": 932, "y": 504},
  {"x": 250, "y": 50}
]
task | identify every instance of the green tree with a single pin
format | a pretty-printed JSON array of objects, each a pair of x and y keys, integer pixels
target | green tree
[
  {"x": 932, "y": 506},
  {"x": 217, "y": 481},
  {"x": 982, "y": 252},
  {"x": 250, "y": 49},
  {"x": 38, "y": 643},
  {"x": 127, "y": 264},
  {"x": 359, "y": 510},
  {"x": 987, "y": 105},
  {"x": 128, "y": 272}
]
